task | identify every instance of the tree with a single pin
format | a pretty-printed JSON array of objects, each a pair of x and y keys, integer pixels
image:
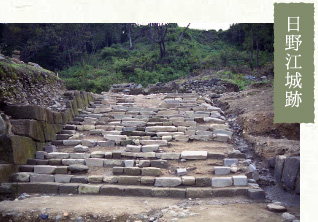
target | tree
[
  {"x": 158, "y": 33},
  {"x": 179, "y": 40}
]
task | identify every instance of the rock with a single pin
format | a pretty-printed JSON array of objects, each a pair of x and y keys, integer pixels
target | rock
[
  {"x": 133, "y": 148},
  {"x": 222, "y": 137},
  {"x": 149, "y": 148},
  {"x": 222, "y": 181},
  {"x": 98, "y": 154},
  {"x": 44, "y": 169},
  {"x": 61, "y": 178},
  {"x": 129, "y": 163},
  {"x": 229, "y": 162},
  {"x": 188, "y": 180},
  {"x": 220, "y": 170},
  {"x": 290, "y": 171},
  {"x": 288, "y": 217},
  {"x": 77, "y": 168},
  {"x": 89, "y": 189},
  {"x": 168, "y": 156},
  {"x": 71, "y": 142},
  {"x": 194, "y": 155},
  {"x": 79, "y": 155},
  {"x": 213, "y": 120},
  {"x": 20, "y": 177},
  {"x": 239, "y": 180},
  {"x": 256, "y": 194},
  {"x": 151, "y": 171},
  {"x": 279, "y": 165},
  {"x": 168, "y": 181},
  {"x": 252, "y": 167},
  {"x": 276, "y": 208},
  {"x": 57, "y": 155},
  {"x": 69, "y": 162},
  {"x": 97, "y": 162},
  {"x": 181, "y": 171},
  {"x": 81, "y": 149},
  {"x": 41, "y": 178}
]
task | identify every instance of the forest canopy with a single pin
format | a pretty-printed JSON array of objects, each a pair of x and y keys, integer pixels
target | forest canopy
[{"x": 94, "y": 56}]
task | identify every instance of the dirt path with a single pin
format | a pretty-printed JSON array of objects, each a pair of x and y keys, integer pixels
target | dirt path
[{"x": 108, "y": 208}]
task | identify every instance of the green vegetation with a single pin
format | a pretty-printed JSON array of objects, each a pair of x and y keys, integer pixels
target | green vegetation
[{"x": 92, "y": 57}]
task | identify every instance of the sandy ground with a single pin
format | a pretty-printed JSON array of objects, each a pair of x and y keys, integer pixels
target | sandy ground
[{"x": 98, "y": 208}]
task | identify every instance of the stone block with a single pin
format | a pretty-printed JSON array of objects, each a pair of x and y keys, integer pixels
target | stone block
[
  {"x": 168, "y": 181},
  {"x": 61, "y": 170},
  {"x": 129, "y": 163},
  {"x": 177, "y": 193},
  {"x": 79, "y": 179},
  {"x": 240, "y": 180},
  {"x": 222, "y": 170},
  {"x": 96, "y": 162},
  {"x": 146, "y": 155},
  {"x": 213, "y": 120},
  {"x": 194, "y": 155},
  {"x": 222, "y": 137},
  {"x": 168, "y": 156},
  {"x": 20, "y": 177},
  {"x": 71, "y": 142},
  {"x": 279, "y": 166},
  {"x": 68, "y": 189},
  {"x": 118, "y": 170},
  {"x": 144, "y": 163},
  {"x": 29, "y": 128},
  {"x": 79, "y": 155},
  {"x": 110, "y": 163},
  {"x": 98, "y": 154},
  {"x": 44, "y": 169},
  {"x": 159, "y": 163},
  {"x": 202, "y": 192},
  {"x": 129, "y": 180},
  {"x": 229, "y": 162},
  {"x": 132, "y": 171},
  {"x": 42, "y": 162},
  {"x": 89, "y": 189},
  {"x": 150, "y": 171},
  {"x": 57, "y": 155},
  {"x": 256, "y": 194},
  {"x": 138, "y": 191},
  {"x": 81, "y": 148},
  {"x": 62, "y": 178},
  {"x": 149, "y": 148},
  {"x": 133, "y": 148},
  {"x": 89, "y": 143},
  {"x": 78, "y": 168},
  {"x": 111, "y": 179},
  {"x": 69, "y": 162},
  {"x": 202, "y": 181},
  {"x": 112, "y": 190},
  {"x": 38, "y": 187},
  {"x": 95, "y": 179},
  {"x": 290, "y": 171},
  {"x": 41, "y": 178},
  {"x": 154, "y": 142},
  {"x": 147, "y": 180},
  {"x": 222, "y": 181},
  {"x": 109, "y": 143},
  {"x": 188, "y": 180},
  {"x": 25, "y": 168},
  {"x": 160, "y": 192},
  {"x": 50, "y": 148},
  {"x": 181, "y": 171},
  {"x": 40, "y": 155}
]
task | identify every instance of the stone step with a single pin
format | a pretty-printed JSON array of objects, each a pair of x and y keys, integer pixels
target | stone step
[
  {"x": 150, "y": 176},
  {"x": 131, "y": 190}
]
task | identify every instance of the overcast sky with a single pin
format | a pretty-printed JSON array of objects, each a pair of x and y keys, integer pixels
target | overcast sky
[{"x": 207, "y": 26}]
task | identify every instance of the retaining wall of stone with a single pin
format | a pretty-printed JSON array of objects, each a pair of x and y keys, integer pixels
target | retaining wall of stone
[
  {"x": 287, "y": 172},
  {"x": 30, "y": 127}
]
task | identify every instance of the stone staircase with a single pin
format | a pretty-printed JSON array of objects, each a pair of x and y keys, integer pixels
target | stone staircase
[{"x": 117, "y": 147}]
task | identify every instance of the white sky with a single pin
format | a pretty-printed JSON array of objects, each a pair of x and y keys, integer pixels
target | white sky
[{"x": 207, "y": 26}]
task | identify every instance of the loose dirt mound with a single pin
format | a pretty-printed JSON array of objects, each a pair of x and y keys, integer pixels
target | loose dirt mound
[{"x": 253, "y": 110}]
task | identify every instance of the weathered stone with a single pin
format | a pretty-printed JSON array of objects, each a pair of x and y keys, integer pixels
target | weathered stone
[
  {"x": 50, "y": 148},
  {"x": 62, "y": 178},
  {"x": 222, "y": 137},
  {"x": 89, "y": 189},
  {"x": 213, "y": 120},
  {"x": 71, "y": 142},
  {"x": 110, "y": 179},
  {"x": 98, "y": 154},
  {"x": 279, "y": 166},
  {"x": 39, "y": 187},
  {"x": 188, "y": 180},
  {"x": 129, "y": 163},
  {"x": 61, "y": 170},
  {"x": 69, "y": 162},
  {"x": 202, "y": 181},
  {"x": 147, "y": 180},
  {"x": 44, "y": 169},
  {"x": 40, "y": 155},
  {"x": 133, "y": 148},
  {"x": 154, "y": 142},
  {"x": 41, "y": 178},
  {"x": 79, "y": 155},
  {"x": 81, "y": 148},
  {"x": 68, "y": 189},
  {"x": 133, "y": 171},
  {"x": 168, "y": 181},
  {"x": 290, "y": 171},
  {"x": 129, "y": 180},
  {"x": 85, "y": 127},
  {"x": 239, "y": 180},
  {"x": 288, "y": 217},
  {"x": 168, "y": 138},
  {"x": 161, "y": 129},
  {"x": 256, "y": 194},
  {"x": 112, "y": 190},
  {"x": 146, "y": 155},
  {"x": 89, "y": 143},
  {"x": 220, "y": 170},
  {"x": 229, "y": 162},
  {"x": 24, "y": 168},
  {"x": 109, "y": 143},
  {"x": 277, "y": 208},
  {"x": 28, "y": 127},
  {"x": 144, "y": 163},
  {"x": 115, "y": 137},
  {"x": 41, "y": 162},
  {"x": 168, "y": 156},
  {"x": 194, "y": 155},
  {"x": 177, "y": 193},
  {"x": 94, "y": 162},
  {"x": 118, "y": 170},
  {"x": 160, "y": 192},
  {"x": 110, "y": 163},
  {"x": 222, "y": 181},
  {"x": 79, "y": 179},
  {"x": 95, "y": 179},
  {"x": 149, "y": 148},
  {"x": 151, "y": 171},
  {"x": 201, "y": 192},
  {"x": 159, "y": 163},
  {"x": 77, "y": 168},
  {"x": 20, "y": 177}
]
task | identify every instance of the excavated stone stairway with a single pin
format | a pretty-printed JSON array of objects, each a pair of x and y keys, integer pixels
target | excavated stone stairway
[{"x": 179, "y": 148}]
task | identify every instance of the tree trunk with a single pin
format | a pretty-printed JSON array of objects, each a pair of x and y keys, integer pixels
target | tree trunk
[
  {"x": 251, "y": 50},
  {"x": 179, "y": 40},
  {"x": 257, "y": 54},
  {"x": 129, "y": 36}
]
